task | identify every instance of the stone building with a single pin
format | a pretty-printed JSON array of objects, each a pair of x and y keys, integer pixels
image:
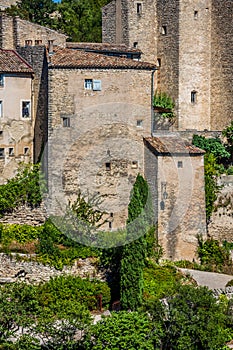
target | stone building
[
  {"x": 191, "y": 43},
  {"x": 174, "y": 170},
  {"x": 99, "y": 111},
  {"x": 15, "y": 32},
  {"x": 16, "y": 114}
]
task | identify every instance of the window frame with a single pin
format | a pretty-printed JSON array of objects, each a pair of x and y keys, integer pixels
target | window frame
[
  {"x": 66, "y": 122},
  {"x": 139, "y": 8},
  {"x": 25, "y": 115}
]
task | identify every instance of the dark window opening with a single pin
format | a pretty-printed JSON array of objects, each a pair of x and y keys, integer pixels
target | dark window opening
[
  {"x": 193, "y": 96},
  {"x": 66, "y": 122},
  {"x": 26, "y": 151},
  {"x": 11, "y": 151},
  {"x": 2, "y": 152},
  {"x": 139, "y": 123},
  {"x": 28, "y": 42},
  {"x": 26, "y": 107},
  {"x": 139, "y": 8},
  {"x": 195, "y": 14},
  {"x": 158, "y": 62},
  {"x": 1, "y": 80},
  {"x": 164, "y": 30},
  {"x": 108, "y": 166},
  {"x": 180, "y": 164},
  {"x": 135, "y": 44},
  {"x": 38, "y": 42}
]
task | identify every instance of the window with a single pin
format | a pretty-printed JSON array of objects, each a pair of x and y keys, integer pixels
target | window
[
  {"x": 1, "y": 79},
  {"x": 135, "y": 44},
  {"x": 158, "y": 62},
  {"x": 139, "y": 123},
  {"x": 134, "y": 164},
  {"x": 195, "y": 14},
  {"x": 139, "y": 8},
  {"x": 180, "y": 164},
  {"x": 88, "y": 84},
  {"x": 11, "y": 151},
  {"x": 66, "y": 122},
  {"x": 2, "y": 152},
  {"x": 1, "y": 109},
  {"x": 26, "y": 151},
  {"x": 26, "y": 109},
  {"x": 108, "y": 166},
  {"x": 97, "y": 85},
  {"x": 193, "y": 96},
  {"x": 28, "y": 42},
  {"x": 38, "y": 42},
  {"x": 164, "y": 30}
]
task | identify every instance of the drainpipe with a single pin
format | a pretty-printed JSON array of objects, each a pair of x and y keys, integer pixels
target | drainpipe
[{"x": 152, "y": 99}]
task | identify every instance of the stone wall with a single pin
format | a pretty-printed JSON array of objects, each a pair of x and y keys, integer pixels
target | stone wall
[
  {"x": 221, "y": 223},
  {"x": 25, "y": 215},
  {"x": 13, "y": 268},
  {"x": 7, "y": 3},
  {"x": 17, "y": 32},
  {"x": 102, "y": 150},
  {"x": 222, "y": 64}
]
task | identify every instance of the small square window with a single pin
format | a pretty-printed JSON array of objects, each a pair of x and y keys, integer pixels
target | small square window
[
  {"x": 180, "y": 164},
  {"x": 195, "y": 14},
  {"x": 11, "y": 151},
  {"x": 66, "y": 122},
  {"x": 139, "y": 8},
  {"x": 2, "y": 152},
  {"x": 139, "y": 123},
  {"x": 28, "y": 42},
  {"x": 134, "y": 164},
  {"x": 1, "y": 80},
  {"x": 1, "y": 109},
  {"x": 193, "y": 96},
  {"x": 38, "y": 42},
  {"x": 88, "y": 84},
  {"x": 108, "y": 166},
  {"x": 26, "y": 109},
  {"x": 164, "y": 30},
  {"x": 26, "y": 151}
]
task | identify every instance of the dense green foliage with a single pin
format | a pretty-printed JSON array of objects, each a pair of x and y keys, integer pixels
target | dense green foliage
[
  {"x": 211, "y": 145},
  {"x": 25, "y": 188},
  {"x": 191, "y": 319},
  {"x": 134, "y": 253},
  {"x": 80, "y": 20},
  {"x": 121, "y": 331},
  {"x": 161, "y": 99},
  {"x": 214, "y": 256},
  {"x": 228, "y": 134}
]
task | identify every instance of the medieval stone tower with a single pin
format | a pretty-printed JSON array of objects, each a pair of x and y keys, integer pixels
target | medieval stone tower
[{"x": 192, "y": 43}]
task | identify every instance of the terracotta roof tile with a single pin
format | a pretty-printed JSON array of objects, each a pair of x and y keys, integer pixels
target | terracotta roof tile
[
  {"x": 104, "y": 47},
  {"x": 67, "y": 58},
  {"x": 171, "y": 145},
  {"x": 12, "y": 62}
]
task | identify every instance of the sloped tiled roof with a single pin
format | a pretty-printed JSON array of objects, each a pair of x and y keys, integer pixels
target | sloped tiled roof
[
  {"x": 104, "y": 47},
  {"x": 171, "y": 145},
  {"x": 12, "y": 62},
  {"x": 68, "y": 58}
]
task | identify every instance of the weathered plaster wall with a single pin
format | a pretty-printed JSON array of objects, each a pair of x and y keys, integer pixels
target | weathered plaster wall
[
  {"x": 17, "y": 132},
  {"x": 181, "y": 205},
  {"x": 103, "y": 130}
]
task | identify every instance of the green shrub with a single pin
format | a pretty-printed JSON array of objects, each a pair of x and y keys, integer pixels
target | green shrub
[{"x": 74, "y": 289}]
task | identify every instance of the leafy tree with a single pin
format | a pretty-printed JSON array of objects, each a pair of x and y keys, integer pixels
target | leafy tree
[
  {"x": 211, "y": 145},
  {"x": 121, "y": 331},
  {"x": 134, "y": 253},
  {"x": 37, "y": 11},
  {"x": 191, "y": 319}
]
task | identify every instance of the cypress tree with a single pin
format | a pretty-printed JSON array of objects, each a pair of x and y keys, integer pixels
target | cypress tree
[{"x": 134, "y": 252}]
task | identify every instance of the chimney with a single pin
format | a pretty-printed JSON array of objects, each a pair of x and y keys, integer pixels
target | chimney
[{"x": 50, "y": 47}]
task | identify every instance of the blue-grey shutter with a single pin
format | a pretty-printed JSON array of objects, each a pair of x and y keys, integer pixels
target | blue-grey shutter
[{"x": 97, "y": 85}]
